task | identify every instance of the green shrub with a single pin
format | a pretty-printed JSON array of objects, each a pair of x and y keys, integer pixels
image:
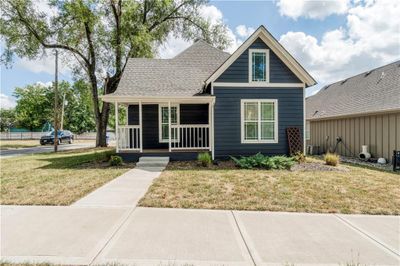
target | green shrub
[
  {"x": 204, "y": 159},
  {"x": 116, "y": 160},
  {"x": 299, "y": 157},
  {"x": 261, "y": 161},
  {"x": 331, "y": 159}
]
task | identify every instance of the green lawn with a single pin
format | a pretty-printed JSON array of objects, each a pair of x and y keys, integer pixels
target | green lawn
[
  {"x": 356, "y": 190},
  {"x": 55, "y": 179}
]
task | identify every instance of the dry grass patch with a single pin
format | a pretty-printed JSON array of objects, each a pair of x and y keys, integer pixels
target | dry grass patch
[
  {"x": 356, "y": 190},
  {"x": 55, "y": 179},
  {"x": 16, "y": 144}
]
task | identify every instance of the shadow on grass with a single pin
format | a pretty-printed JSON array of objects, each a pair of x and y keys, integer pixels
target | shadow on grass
[{"x": 80, "y": 159}]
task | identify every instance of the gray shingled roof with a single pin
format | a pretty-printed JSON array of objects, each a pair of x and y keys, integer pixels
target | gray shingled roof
[
  {"x": 373, "y": 91},
  {"x": 183, "y": 75}
]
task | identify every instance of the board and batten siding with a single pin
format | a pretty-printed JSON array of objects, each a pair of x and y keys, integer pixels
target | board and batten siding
[
  {"x": 238, "y": 71},
  {"x": 227, "y": 119},
  {"x": 380, "y": 132}
]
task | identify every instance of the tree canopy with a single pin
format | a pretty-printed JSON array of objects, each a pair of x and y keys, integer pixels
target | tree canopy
[
  {"x": 35, "y": 106},
  {"x": 97, "y": 37}
]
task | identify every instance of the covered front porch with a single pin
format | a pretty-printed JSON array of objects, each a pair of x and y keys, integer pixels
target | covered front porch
[{"x": 176, "y": 127}]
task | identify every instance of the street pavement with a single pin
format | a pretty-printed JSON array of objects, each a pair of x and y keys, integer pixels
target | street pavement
[{"x": 43, "y": 149}]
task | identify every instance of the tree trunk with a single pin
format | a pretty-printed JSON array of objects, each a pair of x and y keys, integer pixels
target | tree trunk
[{"x": 101, "y": 126}]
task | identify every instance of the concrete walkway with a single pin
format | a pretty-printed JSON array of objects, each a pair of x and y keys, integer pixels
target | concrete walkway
[{"x": 106, "y": 227}]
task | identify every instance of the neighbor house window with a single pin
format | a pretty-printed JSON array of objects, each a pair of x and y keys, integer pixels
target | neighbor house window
[
  {"x": 308, "y": 130},
  {"x": 259, "y": 121},
  {"x": 163, "y": 122},
  {"x": 258, "y": 65}
]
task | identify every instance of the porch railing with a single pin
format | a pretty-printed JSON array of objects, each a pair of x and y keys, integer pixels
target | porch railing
[
  {"x": 128, "y": 137},
  {"x": 190, "y": 137}
]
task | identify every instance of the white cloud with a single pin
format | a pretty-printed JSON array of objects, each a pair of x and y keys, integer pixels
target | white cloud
[
  {"x": 370, "y": 39},
  {"x": 244, "y": 31},
  {"x": 175, "y": 45},
  {"x": 6, "y": 102},
  {"x": 45, "y": 84},
  {"x": 172, "y": 47},
  {"x": 312, "y": 9},
  {"x": 211, "y": 13},
  {"x": 45, "y": 64}
]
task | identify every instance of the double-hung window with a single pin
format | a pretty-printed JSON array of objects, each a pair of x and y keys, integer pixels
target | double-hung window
[
  {"x": 259, "y": 65},
  {"x": 164, "y": 125},
  {"x": 259, "y": 121}
]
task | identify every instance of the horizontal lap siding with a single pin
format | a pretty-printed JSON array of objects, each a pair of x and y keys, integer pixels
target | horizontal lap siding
[
  {"x": 238, "y": 70},
  {"x": 227, "y": 132},
  {"x": 380, "y": 132}
]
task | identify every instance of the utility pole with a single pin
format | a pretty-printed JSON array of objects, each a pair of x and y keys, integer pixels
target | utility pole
[
  {"x": 62, "y": 112},
  {"x": 56, "y": 106}
]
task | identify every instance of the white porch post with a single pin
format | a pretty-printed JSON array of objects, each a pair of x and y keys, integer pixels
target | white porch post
[
  {"x": 212, "y": 131},
  {"x": 140, "y": 126},
  {"x": 127, "y": 115},
  {"x": 209, "y": 126},
  {"x": 116, "y": 128},
  {"x": 169, "y": 126}
]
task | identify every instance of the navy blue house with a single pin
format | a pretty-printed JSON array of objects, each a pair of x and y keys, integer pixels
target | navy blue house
[{"x": 205, "y": 99}]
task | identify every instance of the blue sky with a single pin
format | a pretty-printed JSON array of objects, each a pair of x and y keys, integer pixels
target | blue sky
[{"x": 331, "y": 39}]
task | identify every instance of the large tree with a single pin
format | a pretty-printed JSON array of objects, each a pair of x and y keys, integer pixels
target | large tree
[
  {"x": 98, "y": 36},
  {"x": 34, "y": 106},
  {"x": 7, "y": 119}
]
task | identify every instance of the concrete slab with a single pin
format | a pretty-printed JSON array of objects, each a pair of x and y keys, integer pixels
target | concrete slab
[
  {"x": 154, "y": 236},
  {"x": 384, "y": 229},
  {"x": 304, "y": 239},
  {"x": 124, "y": 191},
  {"x": 60, "y": 235}
]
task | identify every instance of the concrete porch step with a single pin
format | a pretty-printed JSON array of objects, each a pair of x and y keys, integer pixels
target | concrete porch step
[
  {"x": 152, "y": 162},
  {"x": 154, "y": 159}
]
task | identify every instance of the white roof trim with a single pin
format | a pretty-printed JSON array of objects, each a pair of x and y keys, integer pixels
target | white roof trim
[
  {"x": 276, "y": 47},
  {"x": 156, "y": 99}
]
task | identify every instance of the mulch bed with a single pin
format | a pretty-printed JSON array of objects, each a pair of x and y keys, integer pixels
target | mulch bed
[
  {"x": 317, "y": 166},
  {"x": 230, "y": 165}
]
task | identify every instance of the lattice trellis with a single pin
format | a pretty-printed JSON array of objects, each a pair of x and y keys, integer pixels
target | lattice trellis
[{"x": 294, "y": 139}]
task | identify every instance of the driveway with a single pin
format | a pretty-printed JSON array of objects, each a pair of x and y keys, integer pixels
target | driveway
[
  {"x": 106, "y": 227},
  {"x": 43, "y": 149}
]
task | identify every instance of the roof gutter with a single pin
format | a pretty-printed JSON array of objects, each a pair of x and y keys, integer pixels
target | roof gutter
[
  {"x": 388, "y": 111},
  {"x": 110, "y": 98}
]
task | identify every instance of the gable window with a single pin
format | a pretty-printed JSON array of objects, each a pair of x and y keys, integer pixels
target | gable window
[
  {"x": 163, "y": 122},
  {"x": 258, "y": 65},
  {"x": 259, "y": 121}
]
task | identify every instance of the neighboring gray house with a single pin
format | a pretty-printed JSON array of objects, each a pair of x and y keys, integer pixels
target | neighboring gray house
[
  {"x": 361, "y": 110},
  {"x": 207, "y": 100}
]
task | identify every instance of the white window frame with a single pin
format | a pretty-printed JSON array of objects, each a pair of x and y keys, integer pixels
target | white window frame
[
  {"x": 242, "y": 120},
  {"x": 178, "y": 120},
  {"x": 267, "y": 65},
  {"x": 308, "y": 130}
]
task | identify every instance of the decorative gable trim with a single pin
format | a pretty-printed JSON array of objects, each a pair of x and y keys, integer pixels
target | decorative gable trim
[{"x": 276, "y": 47}]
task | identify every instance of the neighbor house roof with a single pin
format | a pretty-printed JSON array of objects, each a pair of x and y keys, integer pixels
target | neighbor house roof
[
  {"x": 183, "y": 75},
  {"x": 374, "y": 91}
]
